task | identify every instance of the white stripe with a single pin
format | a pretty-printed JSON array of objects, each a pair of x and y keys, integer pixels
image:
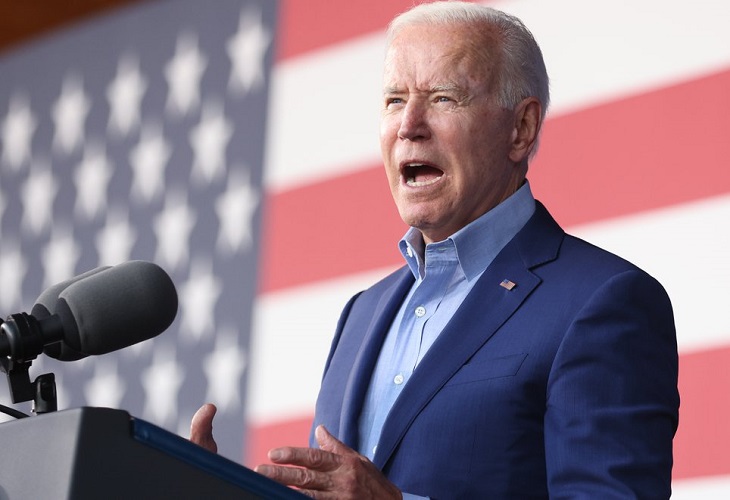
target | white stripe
[
  {"x": 324, "y": 113},
  {"x": 325, "y": 105},
  {"x": 685, "y": 247},
  {"x": 600, "y": 51},
  {"x": 292, "y": 333},
  {"x": 707, "y": 488}
]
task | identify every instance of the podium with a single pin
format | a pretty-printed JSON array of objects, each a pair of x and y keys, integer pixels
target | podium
[{"x": 101, "y": 453}]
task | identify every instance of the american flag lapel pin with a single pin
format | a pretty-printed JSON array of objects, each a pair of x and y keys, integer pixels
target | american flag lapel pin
[{"x": 509, "y": 285}]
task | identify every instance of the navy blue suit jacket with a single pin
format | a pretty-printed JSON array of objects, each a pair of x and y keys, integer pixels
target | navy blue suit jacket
[{"x": 563, "y": 387}]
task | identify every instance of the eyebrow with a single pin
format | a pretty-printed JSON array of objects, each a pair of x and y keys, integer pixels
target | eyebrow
[{"x": 444, "y": 87}]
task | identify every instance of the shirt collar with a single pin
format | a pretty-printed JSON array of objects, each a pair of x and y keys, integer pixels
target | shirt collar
[{"x": 478, "y": 243}]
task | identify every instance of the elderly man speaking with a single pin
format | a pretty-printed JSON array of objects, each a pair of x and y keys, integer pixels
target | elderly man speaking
[{"x": 505, "y": 359}]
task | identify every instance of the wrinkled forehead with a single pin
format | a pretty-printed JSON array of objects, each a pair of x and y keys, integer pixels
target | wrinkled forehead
[{"x": 453, "y": 51}]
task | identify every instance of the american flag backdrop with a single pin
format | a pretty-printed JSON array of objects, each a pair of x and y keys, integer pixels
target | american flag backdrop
[
  {"x": 140, "y": 136},
  {"x": 633, "y": 158}
]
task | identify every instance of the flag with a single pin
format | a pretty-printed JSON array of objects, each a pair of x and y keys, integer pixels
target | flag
[
  {"x": 140, "y": 135},
  {"x": 632, "y": 159}
]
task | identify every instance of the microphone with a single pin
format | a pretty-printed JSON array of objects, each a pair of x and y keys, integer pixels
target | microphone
[
  {"x": 117, "y": 308},
  {"x": 100, "y": 311},
  {"x": 46, "y": 303}
]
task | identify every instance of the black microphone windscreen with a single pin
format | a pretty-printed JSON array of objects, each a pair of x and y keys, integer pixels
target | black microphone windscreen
[
  {"x": 44, "y": 306},
  {"x": 117, "y": 308},
  {"x": 46, "y": 301}
]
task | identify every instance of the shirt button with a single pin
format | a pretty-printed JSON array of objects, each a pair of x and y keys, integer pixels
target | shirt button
[
  {"x": 398, "y": 379},
  {"x": 375, "y": 448},
  {"x": 420, "y": 311},
  {"x": 409, "y": 252}
]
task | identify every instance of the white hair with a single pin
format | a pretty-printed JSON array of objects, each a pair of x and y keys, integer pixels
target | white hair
[{"x": 522, "y": 71}]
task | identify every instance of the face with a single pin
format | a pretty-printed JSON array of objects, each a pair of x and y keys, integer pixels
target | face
[{"x": 448, "y": 148}]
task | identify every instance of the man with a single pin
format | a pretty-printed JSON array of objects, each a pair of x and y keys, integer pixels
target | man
[{"x": 506, "y": 359}]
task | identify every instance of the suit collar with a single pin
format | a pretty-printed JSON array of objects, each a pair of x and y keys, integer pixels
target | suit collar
[
  {"x": 479, "y": 242},
  {"x": 489, "y": 305}
]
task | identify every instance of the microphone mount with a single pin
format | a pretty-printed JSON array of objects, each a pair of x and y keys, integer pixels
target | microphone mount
[
  {"x": 21, "y": 340},
  {"x": 97, "y": 312}
]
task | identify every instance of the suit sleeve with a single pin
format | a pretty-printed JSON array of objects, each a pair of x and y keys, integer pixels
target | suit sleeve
[{"x": 612, "y": 400}]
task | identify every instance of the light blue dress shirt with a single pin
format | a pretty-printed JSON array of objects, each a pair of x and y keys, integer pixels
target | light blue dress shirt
[{"x": 445, "y": 273}]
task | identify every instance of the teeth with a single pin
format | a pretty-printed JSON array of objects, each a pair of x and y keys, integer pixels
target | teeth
[
  {"x": 410, "y": 175},
  {"x": 411, "y": 170},
  {"x": 413, "y": 183}
]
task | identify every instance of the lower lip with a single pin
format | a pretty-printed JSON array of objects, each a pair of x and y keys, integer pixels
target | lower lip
[{"x": 416, "y": 184}]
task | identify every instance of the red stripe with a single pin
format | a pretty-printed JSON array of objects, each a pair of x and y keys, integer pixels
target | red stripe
[
  {"x": 331, "y": 229},
  {"x": 307, "y": 25},
  {"x": 650, "y": 151},
  {"x": 261, "y": 439},
  {"x": 700, "y": 446}
]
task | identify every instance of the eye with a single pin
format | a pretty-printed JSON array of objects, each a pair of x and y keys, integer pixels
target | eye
[
  {"x": 443, "y": 98},
  {"x": 393, "y": 101}
]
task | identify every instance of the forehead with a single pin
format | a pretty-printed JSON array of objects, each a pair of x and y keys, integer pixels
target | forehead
[{"x": 424, "y": 54}]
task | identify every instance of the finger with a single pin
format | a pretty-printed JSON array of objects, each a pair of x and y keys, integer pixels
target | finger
[
  {"x": 300, "y": 477},
  {"x": 328, "y": 442},
  {"x": 310, "y": 458},
  {"x": 201, "y": 428}
]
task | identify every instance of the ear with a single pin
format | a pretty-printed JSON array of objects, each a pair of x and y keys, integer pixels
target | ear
[{"x": 527, "y": 121}]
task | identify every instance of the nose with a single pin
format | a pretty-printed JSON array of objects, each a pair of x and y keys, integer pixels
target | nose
[{"x": 414, "y": 123}]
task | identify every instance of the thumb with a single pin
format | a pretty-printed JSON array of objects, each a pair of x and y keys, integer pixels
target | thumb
[
  {"x": 201, "y": 428},
  {"x": 328, "y": 442}
]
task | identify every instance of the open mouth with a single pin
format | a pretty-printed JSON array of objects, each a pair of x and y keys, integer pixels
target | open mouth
[{"x": 420, "y": 174}]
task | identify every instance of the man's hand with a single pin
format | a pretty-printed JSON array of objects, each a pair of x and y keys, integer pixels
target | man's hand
[
  {"x": 333, "y": 471},
  {"x": 201, "y": 428}
]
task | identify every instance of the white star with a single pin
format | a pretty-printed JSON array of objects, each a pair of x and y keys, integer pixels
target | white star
[
  {"x": 161, "y": 382},
  {"x": 38, "y": 193},
  {"x": 235, "y": 209},
  {"x": 12, "y": 269},
  {"x": 125, "y": 96},
  {"x": 92, "y": 178},
  {"x": 60, "y": 256},
  {"x": 198, "y": 297},
  {"x": 183, "y": 74},
  {"x": 134, "y": 351},
  {"x": 173, "y": 227},
  {"x": 148, "y": 160},
  {"x": 17, "y": 132},
  {"x": 223, "y": 367},
  {"x": 69, "y": 114},
  {"x": 209, "y": 140},
  {"x": 115, "y": 241},
  {"x": 247, "y": 50},
  {"x": 106, "y": 388}
]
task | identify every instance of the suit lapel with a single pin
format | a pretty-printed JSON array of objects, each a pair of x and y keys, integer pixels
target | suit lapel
[
  {"x": 481, "y": 314},
  {"x": 363, "y": 366}
]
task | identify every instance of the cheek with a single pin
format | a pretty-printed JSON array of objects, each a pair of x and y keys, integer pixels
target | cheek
[
  {"x": 392, "y": 175},
  {"x": 388, "y": 133},
  {"x": 388, "y": 137}
]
